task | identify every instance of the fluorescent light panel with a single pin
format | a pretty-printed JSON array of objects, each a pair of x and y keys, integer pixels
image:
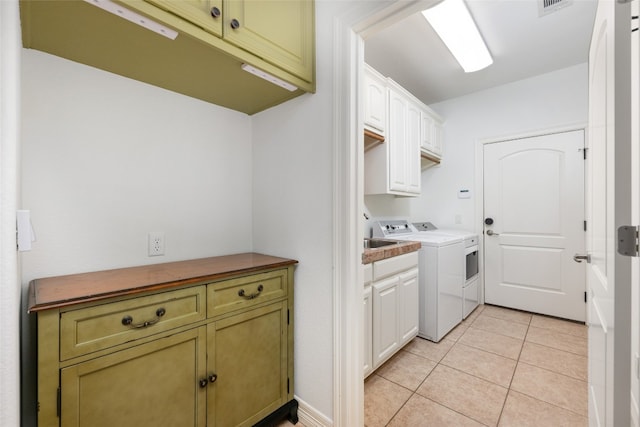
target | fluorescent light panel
[
  {"x": 453, "y": 23},
  {"x": 268, "y": 77},
  {"x": 131, "y": 16}
]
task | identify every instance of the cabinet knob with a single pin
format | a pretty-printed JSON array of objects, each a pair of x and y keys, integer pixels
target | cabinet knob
[
  {"x": 203, "y": 382},
  {"x": 213, "y": 378},
  {"x": 235, "y": 24},
  {"x": 215, "y": 12}
]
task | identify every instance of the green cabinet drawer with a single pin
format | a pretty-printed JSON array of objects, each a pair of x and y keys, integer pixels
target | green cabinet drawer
[
  {"x": 97, "y": 327},
  {"x": 245, "y": 292}
]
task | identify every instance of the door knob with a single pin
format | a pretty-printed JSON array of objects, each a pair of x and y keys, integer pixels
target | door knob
[
  {"x": 491, "y": 233},
  {"x": 580, "y": 258}
]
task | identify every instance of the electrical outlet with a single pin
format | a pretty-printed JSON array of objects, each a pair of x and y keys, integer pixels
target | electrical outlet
[{"x": 156, "y": 243}]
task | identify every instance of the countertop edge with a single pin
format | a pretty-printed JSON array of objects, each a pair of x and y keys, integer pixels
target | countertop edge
[
  {"x": 403, "y": 247},
  {"x": 63, "y": 291}
]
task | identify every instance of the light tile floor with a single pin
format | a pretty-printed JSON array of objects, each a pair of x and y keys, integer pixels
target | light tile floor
[{"x": 499, "y": 367}]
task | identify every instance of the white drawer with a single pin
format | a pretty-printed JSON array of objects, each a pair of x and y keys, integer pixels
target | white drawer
[{"x": 394, "y": 265}]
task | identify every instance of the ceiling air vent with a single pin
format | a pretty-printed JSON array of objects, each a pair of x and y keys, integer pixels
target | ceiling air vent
[{"x": 546, "y": 7}]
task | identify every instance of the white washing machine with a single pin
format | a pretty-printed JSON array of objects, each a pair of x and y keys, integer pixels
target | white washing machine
[
  {"x": 471, "y": 287},
  {"x": 441, "y": 273}
]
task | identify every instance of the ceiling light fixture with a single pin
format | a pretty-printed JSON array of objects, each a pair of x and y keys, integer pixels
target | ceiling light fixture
[
  {"x": 131, "y": 16},
  {"x": 453, "y": 23}
]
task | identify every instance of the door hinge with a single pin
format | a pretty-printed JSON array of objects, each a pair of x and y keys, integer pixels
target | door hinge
[
  {"x": 585, "y": 225},
  {"x": 585, "y": 297},
  {"x": 287, "y": 385},
  {"x": 59, "y": 403},
  {"x": 628, "y": 240},
  {"x": 287, "y": 316}
]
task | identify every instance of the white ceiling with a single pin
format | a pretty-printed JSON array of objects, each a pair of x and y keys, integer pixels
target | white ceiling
[{"x": 522, "y": 44}]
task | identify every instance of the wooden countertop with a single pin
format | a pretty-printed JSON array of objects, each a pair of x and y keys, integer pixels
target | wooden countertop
[
  {"x": 377, "y": 254},
  {"x": 61, "y": 291}
]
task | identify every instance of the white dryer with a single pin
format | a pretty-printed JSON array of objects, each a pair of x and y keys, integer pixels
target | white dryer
[
  {"x": 441, "y": 272},
  {"x": 471, "y": 287}
]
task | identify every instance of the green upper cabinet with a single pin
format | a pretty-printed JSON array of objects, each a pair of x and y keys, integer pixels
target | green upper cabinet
[
  {"x": 204, "y": 61},
  {"x": 280, "y": 32},
  {"x": 206, "y": 14}
]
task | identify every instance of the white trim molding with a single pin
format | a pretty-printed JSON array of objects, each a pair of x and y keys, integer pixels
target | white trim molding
[
  {"x": 348, "y": 230},
  {"x": 10, "y": 283}
]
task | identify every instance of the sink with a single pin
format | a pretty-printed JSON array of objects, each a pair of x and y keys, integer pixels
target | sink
[{"x": 377, "y": 243}]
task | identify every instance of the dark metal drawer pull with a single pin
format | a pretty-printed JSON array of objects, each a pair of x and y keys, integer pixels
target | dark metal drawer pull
[
  {"x": 251, "y": 296},
  {"x": 128, "y": 320}
]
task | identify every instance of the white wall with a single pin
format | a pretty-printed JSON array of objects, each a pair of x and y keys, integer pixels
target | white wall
[
  {"x": 106, "y": 160},
  {"x": 547, "y": 101},
  {"x": 293, "y": 207}
]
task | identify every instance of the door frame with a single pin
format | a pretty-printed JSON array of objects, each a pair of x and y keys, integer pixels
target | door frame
[
  {"x": 349, "y": 31},
  {"x": 479, "y": 182}
]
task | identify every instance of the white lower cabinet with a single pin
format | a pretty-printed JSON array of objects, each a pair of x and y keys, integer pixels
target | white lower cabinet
[
  {"x": 394, "y": 308},
  {"x": 368, "y": 332},
  {"x": 409, "y": 308},
  {"x": 386, "y": 319},
  {"x": 367, "y": 338}
]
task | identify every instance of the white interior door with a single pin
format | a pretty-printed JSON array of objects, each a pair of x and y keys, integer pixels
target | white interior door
[
  {"x": 600, "y": 214},
  {"x": 635, "y": 191},
  {"x": 534, "y": 202}
]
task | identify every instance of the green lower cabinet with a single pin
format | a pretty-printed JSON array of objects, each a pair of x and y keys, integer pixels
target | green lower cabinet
[
  {"x": 154, "y": 384},
  {"x": 241, "y": 361},
  {"x": 248, "y": 354},
  {"x": 163, "y": 359}
]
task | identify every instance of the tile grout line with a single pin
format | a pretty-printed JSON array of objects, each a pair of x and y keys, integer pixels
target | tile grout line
[
  {"x": 518, "y": 361},
  {"x": 514, "y": 373},
  {"x": 414, "y": 392}
]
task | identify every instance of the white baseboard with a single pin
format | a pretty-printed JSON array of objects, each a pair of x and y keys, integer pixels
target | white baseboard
[{"x": 310, "y": 417}]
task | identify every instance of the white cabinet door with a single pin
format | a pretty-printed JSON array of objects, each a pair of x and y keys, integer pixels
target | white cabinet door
[
  {"x": 386, "y": 302},
  {"x": 426, "y": 142},
  {"x": 412, "y": 147},
  {"x": 397, "y": 141},
  {"x": 375, "y": 101},
  {"x": 437, "y": 139},
  {"x": 409, "y": 306},
  {"x": 431, "y": 138},
  {"x": 404, "y": 143},
  {"x": 367, "y": 330}
]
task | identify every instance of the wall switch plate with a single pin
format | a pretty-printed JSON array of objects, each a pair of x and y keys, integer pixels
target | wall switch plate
[{"x": 156, "y": 243}]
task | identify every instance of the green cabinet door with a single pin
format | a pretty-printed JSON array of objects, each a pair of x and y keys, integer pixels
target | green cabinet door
[
  {"x": 206, "y": 14},
  {"x": 279, "y": 31},
  {"x": 248, "y": 353},
  {"x": 154, "y": 384}
]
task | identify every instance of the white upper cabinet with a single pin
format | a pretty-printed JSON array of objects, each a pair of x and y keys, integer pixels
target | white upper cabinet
[
  {"x": 375, "y": 101},
  {"x": 431, "y": 140},
  {"x": 412, "y": 137},
  {"x": 393, "y": 167}
]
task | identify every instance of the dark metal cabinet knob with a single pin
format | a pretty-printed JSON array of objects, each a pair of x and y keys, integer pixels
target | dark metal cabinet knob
[
  {"x": 213, "y": 378},
  {"x": 235, "y": 24},
  {"x": 215, "y": 12},
  {"x": 203, "y": 382}
]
